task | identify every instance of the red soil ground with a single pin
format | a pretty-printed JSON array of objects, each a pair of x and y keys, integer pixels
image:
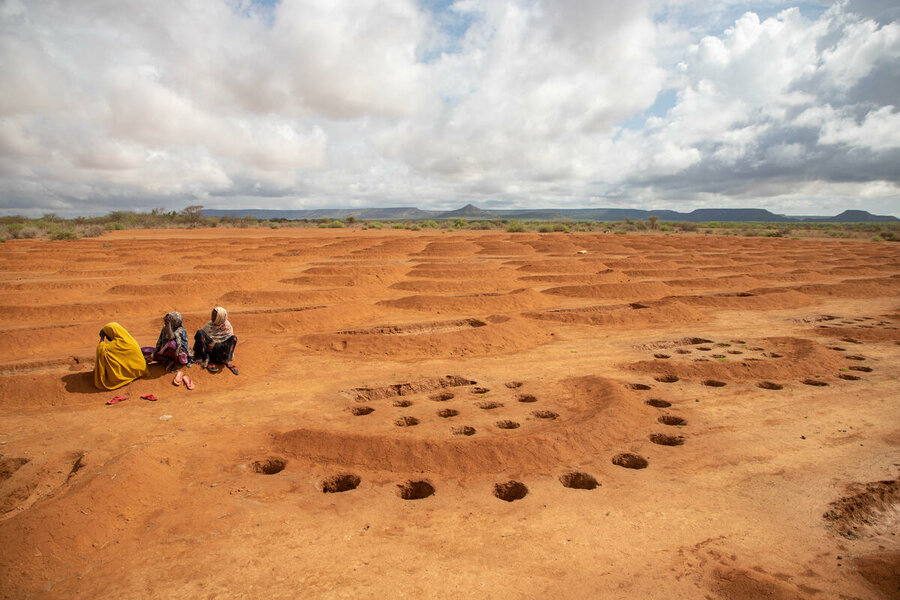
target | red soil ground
[{"x": 393, "y": 384}]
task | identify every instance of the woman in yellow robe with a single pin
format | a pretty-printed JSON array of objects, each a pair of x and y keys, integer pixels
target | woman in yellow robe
[{"x": 119, "y": 358}]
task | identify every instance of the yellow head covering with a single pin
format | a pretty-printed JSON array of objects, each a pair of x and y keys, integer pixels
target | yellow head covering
[{"x": 119, "y": 361}]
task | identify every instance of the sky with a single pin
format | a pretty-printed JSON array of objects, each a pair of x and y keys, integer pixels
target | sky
[{"x": 290, "y": 104}]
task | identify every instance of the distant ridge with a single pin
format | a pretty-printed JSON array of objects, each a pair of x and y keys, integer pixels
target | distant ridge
[{"x": 471, "y": 212}]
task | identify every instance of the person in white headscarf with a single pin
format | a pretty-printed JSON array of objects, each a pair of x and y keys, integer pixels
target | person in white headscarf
[{"x": 214, "y": 343}]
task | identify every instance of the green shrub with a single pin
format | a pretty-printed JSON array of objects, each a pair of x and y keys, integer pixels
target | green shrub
[
  {"x": 560, "y": 227},
  {"x": 375, "y": 225},
  {"x": 429, "y": 225},
  {"x": 398, "y": 226},
  {"x": 92, "y": 231},
  {"x": 545, "y": 229},
  {"x": 63, "y": 234},
  {"x": 515, "y": 226},
  {"x": 28, "y": 233}
]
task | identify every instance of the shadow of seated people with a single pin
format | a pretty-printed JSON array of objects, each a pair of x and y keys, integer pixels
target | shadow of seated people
[{"x": 81, "y": 383}]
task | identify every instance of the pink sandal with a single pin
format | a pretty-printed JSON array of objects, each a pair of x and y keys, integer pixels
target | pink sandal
[
  {"x": 117, "y": 399},
  {"x": 188, "y": 382},
  {"x": 179, "y": 377}
]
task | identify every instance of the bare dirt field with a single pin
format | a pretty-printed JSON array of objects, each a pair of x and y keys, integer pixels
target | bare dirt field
[{"x": 456, "y": 414}]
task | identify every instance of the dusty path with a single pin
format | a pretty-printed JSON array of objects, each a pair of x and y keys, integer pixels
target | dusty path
[{"x": 755, "y": 378}]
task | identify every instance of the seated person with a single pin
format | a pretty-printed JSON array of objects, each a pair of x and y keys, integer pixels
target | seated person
[
  {"x": 119, "y": 358},
  {"x": 215, "y": 342},
  {"x": 172, "y": 345}
]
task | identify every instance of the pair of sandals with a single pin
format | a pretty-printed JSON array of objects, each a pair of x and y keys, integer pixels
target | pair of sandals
[
  {"x": 180, "y": 378},
  {"x": 123, "y": 398},
  {"x": 214, "y": 369}
]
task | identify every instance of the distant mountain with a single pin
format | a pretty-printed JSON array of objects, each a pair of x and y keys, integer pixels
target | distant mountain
[
  {"x": 468, "y": 211},
  {"x": 473, "y": 213},
  {"x": 859, "y": 216}
]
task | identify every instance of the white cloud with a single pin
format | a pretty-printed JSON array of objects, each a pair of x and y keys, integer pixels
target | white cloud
[{"x": 336, "y": 102}]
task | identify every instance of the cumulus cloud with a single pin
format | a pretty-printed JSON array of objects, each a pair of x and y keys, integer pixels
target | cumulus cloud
[{"x": 109, "y": 105}]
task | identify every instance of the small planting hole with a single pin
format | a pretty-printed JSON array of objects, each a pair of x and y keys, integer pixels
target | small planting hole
[
  {"x": 855, "y": 357},
  {"x": 683, "y": 351},
  {"x": 630, "y": 461},
  {"x": 735, "y": 352},
  {"x": 769, "y": 385},
  {"x": 578, "y": 481},
  {"x": 513, "y": 384},
  {"x": 507, "y": 424},
  {"x": 526, "y": 398},
  {"x": 545, "y": 414},
  {"x": 667, "y": 378},
  {"x": 269, "y": 466},
  {"x": 657, "y": 403},
  {"x": 340, "y": 483},
  {"x": 359, "y": 411},
  {"x": 463, "y": 430},
  {"x": 661, "y": 356},
  {"x": 814, "y": 382},
  {"x": 713, "y": 383},
  {"x": 510, "y": 491},
  {"x": 638, "y": 386},
  {"x": 489, "y": 405},
  {"x": 860, "y": 368},
  {"x": 837, "y": 348},
  {"x": 848, "y": 377},
  {"x": 667, "y": 440},
  {"x": 406, "y": 422},
  {"x": 447, "y": 412},
  {"x": 480, "y": 390},
  {"x": 415, "y": 490},
  {"x": 671, "y": 420},
  {"x": 402, "y": 403},
  {"x": 704, "y": 348},
  {"x": 441, "y": 397}
]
